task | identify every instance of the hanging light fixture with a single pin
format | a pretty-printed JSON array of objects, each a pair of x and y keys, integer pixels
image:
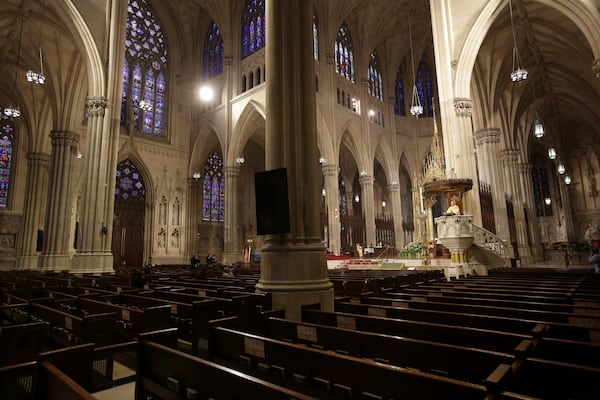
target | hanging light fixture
[
  {"x": 561, "y": 168},
  {"x": 32, "y": 76},
  {"x": 14, "y": 111},
  {"x": 552, "y": 153},
  {"x": 538, "y": 127},
  {"x": 567, "y": 179},
  {"x": 518, "y": 73},
  {"x": 547, "y": 200},
  {"x": 416, "y": 108}
]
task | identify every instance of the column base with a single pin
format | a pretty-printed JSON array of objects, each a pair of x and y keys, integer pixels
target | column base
[
  {"x": 296, "y": 276},
  {"x": 27, "y": 263},
  {"x": 93, "y": 262},
  {"x": 55, "y": 262}
]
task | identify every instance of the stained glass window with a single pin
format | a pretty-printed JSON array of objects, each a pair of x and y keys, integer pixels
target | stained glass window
[
  {"x": 130, "y": 185},
  {"x": 6, "y": 152},
  {"x": 253, "y": 27},
  {"x": 541, "y": 186},
  {"x": 315, "y": 36},
  {"x": 425, "y": 89},
  {"x": 213, "y": 52},
  {"x": 399, "y": 105},
  {"x": 144, "y": 70},
  {"x": 213, "y": 198},
  {"x": 344, "y": 54},
  {"x": 375, "y": 82}
]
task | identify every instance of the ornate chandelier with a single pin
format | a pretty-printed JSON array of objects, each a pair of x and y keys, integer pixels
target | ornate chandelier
[{"x": 518, "y": 73}]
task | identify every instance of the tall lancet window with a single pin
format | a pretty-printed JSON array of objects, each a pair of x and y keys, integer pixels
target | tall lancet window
[
  {"x": 144, "y": 72},
  {"x": 375, "y": 82},
  {"x": 399, "y": 104},
  {"x": 253, "y": 27},
  {"x": 425, "y": 89},
  {"x": 213, "y": 198},
  {"x": 344, "y": 54},
  {"x": 315, "y": 36},
  {"x": 541, "y": 185},
  {"x": 6, "y": 157},
  {"x": 213, "y": 52}
]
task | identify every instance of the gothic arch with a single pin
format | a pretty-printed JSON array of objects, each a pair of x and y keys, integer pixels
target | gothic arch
[
  {"x": 205, "y": 142},
  {"x": 354, "y": 142},
  {"x": 250, "y": 122}
]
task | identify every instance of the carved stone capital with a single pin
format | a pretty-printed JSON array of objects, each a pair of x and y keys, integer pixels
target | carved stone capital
[
  {"x": 366, "y": 180},
  {"x": 95, "y": 106},
  {"x": 510, "y": 155},
  {"x": 42, "y": 159},
  {"x": 329, "y": 169},
  {"x": 463, "y": 107},
  {"x": 487, "y": 136},
  {"x": 66, "y": 138},
  {"x": 231, "y": 171}
]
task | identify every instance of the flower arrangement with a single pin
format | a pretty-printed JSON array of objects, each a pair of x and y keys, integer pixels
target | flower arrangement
[{"x": 411, "y": 250}]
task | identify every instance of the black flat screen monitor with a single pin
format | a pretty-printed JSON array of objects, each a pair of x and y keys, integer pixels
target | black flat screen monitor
[{"x": 272, "y": 206}]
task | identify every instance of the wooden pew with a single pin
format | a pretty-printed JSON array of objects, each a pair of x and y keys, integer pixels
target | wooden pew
[
  {"x": 474, "y": 365},
  {"x": 131, "y": 321},
  {"x": 56, "y": 385},
  {"x": 339, "y": 374},
  {"x": 485, "y": 309},
  {"x": 67, "y": 328},
  {"x": 515, "y": 325},
  {"x": 21, "y": 343},
  {"x": 174, "y": 375},
  {"x": 505, "y": 342}
]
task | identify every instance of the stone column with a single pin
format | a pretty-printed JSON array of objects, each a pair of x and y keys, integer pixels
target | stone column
[
  {"x": 396, "y": 200},
  {"x": 33, "y": 217},
  {"x": 368, "y": 207},
  {"x": 232, "y": 251},
  {"x": 332, "y": 199},
  {"x": 488, "y": 155},
  {"x": 94, "y": 252},
  {"x": 58, "y": 239},
  {"x": 293, "y": 265},
  {"x": 526, "y": 188},
  {"x": 194, "y": 209},
  {"x": 459, "y": 150},
  {"x": 511, "y": 167}
]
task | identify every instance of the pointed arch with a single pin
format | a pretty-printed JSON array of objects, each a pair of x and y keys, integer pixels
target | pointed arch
[{"x": 251, "y": 121}]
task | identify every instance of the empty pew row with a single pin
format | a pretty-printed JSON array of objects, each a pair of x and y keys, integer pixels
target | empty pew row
[
  {"x": 73, "y": 372},
  {"x": 526, "y": 375},
  {"x": 537, "y": 343},
  {"x": 474, "y": 299},
  {"x": 173, "y": 375},
  {"x": 572, "y": 331},
  {"x": 335, "y": 374},
  {"x": 585, "y": 316}
]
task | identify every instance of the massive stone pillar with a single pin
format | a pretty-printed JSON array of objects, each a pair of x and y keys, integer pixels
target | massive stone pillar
[
  {"x": 396, "y": 200},
  {"x": 511, "y": 167},
  {"x": 96, "y": 207},
  {"x": 368, "y": 208},
  {"x": 58, "y": 238},
  {"x": 332, "y": 199},
  {"x": 194, "y": 209},
  {"x": 488, "y": 156},
  {"x": 532, "y": 219},
  {"x": 232, "y": 251},
  {"x": 33, "y": 217},
  {"x": 293, "y": 265}
]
